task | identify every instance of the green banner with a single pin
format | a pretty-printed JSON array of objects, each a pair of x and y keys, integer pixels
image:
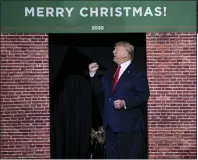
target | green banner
[{"x": 97, "y": 16}]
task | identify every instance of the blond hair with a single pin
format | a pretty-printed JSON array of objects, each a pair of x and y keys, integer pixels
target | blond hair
[{"x": 129, "y": 47}]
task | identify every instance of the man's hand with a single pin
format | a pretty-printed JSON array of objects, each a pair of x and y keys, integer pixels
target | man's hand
[
  {"x": 93, "y": 67},
  {"x": 119, "y": 104}
]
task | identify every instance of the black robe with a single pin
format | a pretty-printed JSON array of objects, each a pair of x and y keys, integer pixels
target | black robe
[{"x": 72, "y": 118}]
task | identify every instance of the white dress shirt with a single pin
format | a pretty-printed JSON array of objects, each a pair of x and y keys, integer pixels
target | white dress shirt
[{"x": 123, "y": 68}]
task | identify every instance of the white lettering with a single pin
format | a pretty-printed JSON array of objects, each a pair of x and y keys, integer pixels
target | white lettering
[
  {"x": 81, "y": 12},
  {"x": 59, "y": 12},
  {"x": 111, "y": 12},
  {"x": 103, "y": 12},
  {"x": 69, "y": 11},
  {"x": 118, "y": 12},
  {"x": 137, "y": 11},
  {"x": 158, "y": 11},
  {"x": 40, "y": 12},
  {"x": 29, "y": 11},
  {"x": 49, "y": 11},
  {"x": 127, "y": 10},
  {"x": 148, "y": 12},
  {"x": 92, "y": 11}
]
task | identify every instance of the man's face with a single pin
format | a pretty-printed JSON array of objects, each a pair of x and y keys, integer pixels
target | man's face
[{"x": 119, "y": 54}]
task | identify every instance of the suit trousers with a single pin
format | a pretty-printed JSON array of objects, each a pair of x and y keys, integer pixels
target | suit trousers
[{"x": 123, "y": 145}]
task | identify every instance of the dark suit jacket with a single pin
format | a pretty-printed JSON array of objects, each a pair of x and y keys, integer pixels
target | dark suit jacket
[{"x": 131, "y": 87}]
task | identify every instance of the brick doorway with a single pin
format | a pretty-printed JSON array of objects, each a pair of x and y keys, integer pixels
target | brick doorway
[{"x": 172, "y": 108}]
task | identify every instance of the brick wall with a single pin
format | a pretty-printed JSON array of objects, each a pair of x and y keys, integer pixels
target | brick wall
[
  {"x": 171, "y": 66},
  {"x": 24, "y": 96}
]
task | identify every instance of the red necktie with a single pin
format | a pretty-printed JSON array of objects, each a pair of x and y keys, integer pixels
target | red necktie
[{"x": 115, "y": 79}]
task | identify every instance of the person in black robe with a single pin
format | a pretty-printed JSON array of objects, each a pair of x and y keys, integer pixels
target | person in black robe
[{"x": 71, "y": 108}]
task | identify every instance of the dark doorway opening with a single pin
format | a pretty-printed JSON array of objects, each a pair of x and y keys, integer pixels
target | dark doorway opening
[{"x": 73, "y": 107}]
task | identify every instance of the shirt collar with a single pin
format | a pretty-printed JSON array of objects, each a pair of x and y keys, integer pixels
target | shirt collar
[{"x": 125, "y": 64}]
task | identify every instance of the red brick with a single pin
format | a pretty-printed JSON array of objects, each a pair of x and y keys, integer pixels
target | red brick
[
  {"x": 24, "y": 96},
  {"x": 171, "y": 67}
]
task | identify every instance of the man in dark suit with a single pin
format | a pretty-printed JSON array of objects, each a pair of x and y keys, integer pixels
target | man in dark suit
[{"x": 126, "y": 93}]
